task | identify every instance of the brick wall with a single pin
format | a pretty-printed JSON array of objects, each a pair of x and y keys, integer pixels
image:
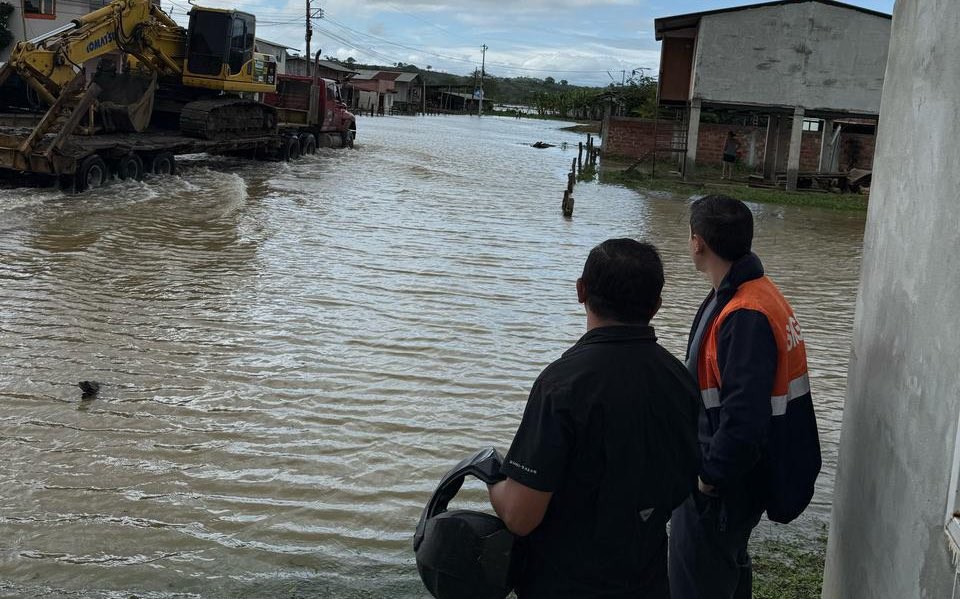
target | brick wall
[
  {"x": 629, "y": 137},
  {"x": 634, "y": 138},
  {"x": 856, "y": 150}
]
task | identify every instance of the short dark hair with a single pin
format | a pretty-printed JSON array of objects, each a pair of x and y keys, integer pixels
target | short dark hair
[
  {"x": 724, "y": 223},
  {"x": 622, "y": 280}
]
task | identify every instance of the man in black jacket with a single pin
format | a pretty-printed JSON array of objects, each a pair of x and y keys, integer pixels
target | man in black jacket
[
  {"x": 757, "y": 431},
  {"x": 607, "y": 445}
]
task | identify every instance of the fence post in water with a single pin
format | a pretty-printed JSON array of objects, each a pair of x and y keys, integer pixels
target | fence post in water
[
  {"x": 580, "y": 155},
  {"x": 567, "y": 205}
]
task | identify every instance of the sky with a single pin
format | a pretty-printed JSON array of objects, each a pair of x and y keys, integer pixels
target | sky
[{"x": 586, "y": 42}]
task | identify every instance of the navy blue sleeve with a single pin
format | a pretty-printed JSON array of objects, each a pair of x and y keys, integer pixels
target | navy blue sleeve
[
  {"x": 747, "y": 358},
  {"x": 541, "y": 448}
]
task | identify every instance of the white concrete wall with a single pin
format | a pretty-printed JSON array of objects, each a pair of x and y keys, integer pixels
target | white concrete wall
[
  {"x": 278, "y": 52},
  {"x": 66, "y": 12},
  {"x": 903, "y": 398},
  {"x": 810, "y": 54}
]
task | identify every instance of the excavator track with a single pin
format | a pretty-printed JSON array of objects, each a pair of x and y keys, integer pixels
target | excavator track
[{"x": 225, "y": 117}]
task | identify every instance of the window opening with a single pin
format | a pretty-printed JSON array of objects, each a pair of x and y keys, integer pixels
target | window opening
[{"x": 40, "y": 9}]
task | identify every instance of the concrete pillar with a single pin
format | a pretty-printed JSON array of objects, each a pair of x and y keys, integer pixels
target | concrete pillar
[
  {"x": 693, "y": 132},
  {"x": 894, "y": 491},
  {"x": 826, "y": 150},
  {"x": 605, "y": 127},
  {"x": 793, "y": 158},
  {"x": 770, "y": 148}
]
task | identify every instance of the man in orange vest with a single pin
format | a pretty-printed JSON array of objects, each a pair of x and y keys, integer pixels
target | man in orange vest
[{"x": 760, "y": 450}]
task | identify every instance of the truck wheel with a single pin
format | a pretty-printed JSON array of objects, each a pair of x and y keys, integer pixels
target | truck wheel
[
  {"x": 163, "y": 163},
  {"x": 348, "y": 137},
  {"x": 308, "y": 144},
  {"x": 290, "y": 149},
  {"x": 92, "y": 173},
  {"x": 130, "y": 167}
]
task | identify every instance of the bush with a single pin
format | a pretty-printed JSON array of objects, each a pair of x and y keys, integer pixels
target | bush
[{"x": 6, "y": 9}]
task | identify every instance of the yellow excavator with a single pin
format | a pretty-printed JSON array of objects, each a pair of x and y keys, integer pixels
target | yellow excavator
[{"x": 150, "y": 67}]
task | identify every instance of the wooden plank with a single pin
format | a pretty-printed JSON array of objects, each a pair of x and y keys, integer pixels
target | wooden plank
[
  {"x": 49, "y": 118},
  {"x": 86, "y": 101}
]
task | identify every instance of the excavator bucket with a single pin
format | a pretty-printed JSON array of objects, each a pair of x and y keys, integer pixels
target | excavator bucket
[{"x": 126, "y": 103}]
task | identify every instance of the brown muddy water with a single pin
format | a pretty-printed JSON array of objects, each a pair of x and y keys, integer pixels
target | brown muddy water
[{"x": 293, "y": 354}]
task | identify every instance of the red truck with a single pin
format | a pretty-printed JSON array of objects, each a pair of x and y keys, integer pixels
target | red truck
[{"x": 312, "y": 108}]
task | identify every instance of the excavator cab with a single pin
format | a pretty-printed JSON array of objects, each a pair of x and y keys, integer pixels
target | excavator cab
[{"x": 221, "y": 53}]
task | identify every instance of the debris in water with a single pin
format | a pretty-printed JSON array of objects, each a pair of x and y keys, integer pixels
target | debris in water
[
  {"x": 541, "y": 145},
  {"x": 89, "y": 388}
]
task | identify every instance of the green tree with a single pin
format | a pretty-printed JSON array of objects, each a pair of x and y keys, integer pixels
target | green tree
[{"x": 6, "y": 9}]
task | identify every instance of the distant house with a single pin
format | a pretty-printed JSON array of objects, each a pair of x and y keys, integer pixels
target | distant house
[
  {"x": 33, "y": 18},
  {"x": 327, "y": 69},
  {"x": 373, "y": 90},
  {"x": 279, "y": 51},
  {"x": 409, "y": 96},
  {"x": 462, "y": 102},
  {"x": 789, "y": 61}
]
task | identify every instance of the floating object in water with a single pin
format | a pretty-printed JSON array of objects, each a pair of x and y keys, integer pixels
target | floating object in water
[
  {"x": 89, "y": 388},
  {"x": 541, "y": 145}
]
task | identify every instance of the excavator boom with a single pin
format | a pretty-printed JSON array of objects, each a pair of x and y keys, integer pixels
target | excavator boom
[{"x": 136, "y": 27}]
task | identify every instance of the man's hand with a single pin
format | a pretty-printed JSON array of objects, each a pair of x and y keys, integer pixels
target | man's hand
[
  {"x": 705, "y": 488},
  {"x": 520, "y": 507}
]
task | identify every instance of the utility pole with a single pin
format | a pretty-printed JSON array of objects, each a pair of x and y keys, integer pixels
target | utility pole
[
  {"x": 308, "y": 36},
  {"x": 483, "y": 65},
  {"x": 425, "y": 92},
  {"x": 312, "y": 13}
]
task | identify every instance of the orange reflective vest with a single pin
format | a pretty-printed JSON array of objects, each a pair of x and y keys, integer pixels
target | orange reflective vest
[{"x": 791, "y": 380}]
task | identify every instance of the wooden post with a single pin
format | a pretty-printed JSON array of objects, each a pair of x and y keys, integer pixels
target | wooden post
[
  {"x": 580, "y": 155},
  {"x": 567, "y": 205}
]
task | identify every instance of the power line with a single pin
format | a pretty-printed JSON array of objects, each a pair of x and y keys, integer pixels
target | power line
[
  {"x": 456, "y": 59},
  {"x": 410, "y": 14}
]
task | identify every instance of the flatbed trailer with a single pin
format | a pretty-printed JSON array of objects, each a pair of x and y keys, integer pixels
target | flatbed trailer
[
  {"x": 310, "y": 115},
  {"x": 114, "y": 146},
  {"x": 88, "y": 161}
]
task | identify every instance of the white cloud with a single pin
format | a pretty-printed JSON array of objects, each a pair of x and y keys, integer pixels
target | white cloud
[{"x": 577, "y": 40}]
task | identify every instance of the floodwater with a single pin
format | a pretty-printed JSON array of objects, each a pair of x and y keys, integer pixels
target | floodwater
[{"x": 293, "y": 354}]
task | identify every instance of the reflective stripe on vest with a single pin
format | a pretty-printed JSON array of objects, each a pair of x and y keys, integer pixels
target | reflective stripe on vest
[{"x": 791, "y": 380}]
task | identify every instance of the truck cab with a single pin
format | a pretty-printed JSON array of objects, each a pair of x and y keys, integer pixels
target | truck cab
[{"x": 313, "y": 105}]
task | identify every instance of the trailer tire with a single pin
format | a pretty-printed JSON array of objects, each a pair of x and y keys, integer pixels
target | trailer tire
[
  {"x": 308, "y": 144},
  {"x": 163, "y": 163},
  {"x": 290, "y": 150},
  {"x": 92, "y": 173},
  {"x": 130, "y": 167}
]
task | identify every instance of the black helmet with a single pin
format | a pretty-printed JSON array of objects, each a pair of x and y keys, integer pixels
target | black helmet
[{"x": 462, "y": 554}]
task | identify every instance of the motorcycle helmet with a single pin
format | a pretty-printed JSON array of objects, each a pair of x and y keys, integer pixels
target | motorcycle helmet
[{"x": 464, "y": 554}]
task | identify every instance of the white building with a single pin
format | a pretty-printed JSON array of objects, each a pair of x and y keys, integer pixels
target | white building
[
  {"x": 794, "y": 60},
  {"x": 279, "y": 51}
]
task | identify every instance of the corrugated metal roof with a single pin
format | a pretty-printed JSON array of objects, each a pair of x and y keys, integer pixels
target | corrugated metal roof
[
  {"x": 407, "y": 77},
  {"x": 274, "y": 44}
]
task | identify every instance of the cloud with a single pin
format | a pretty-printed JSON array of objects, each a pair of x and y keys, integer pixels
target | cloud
[{"x": 577, "y": 40}]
